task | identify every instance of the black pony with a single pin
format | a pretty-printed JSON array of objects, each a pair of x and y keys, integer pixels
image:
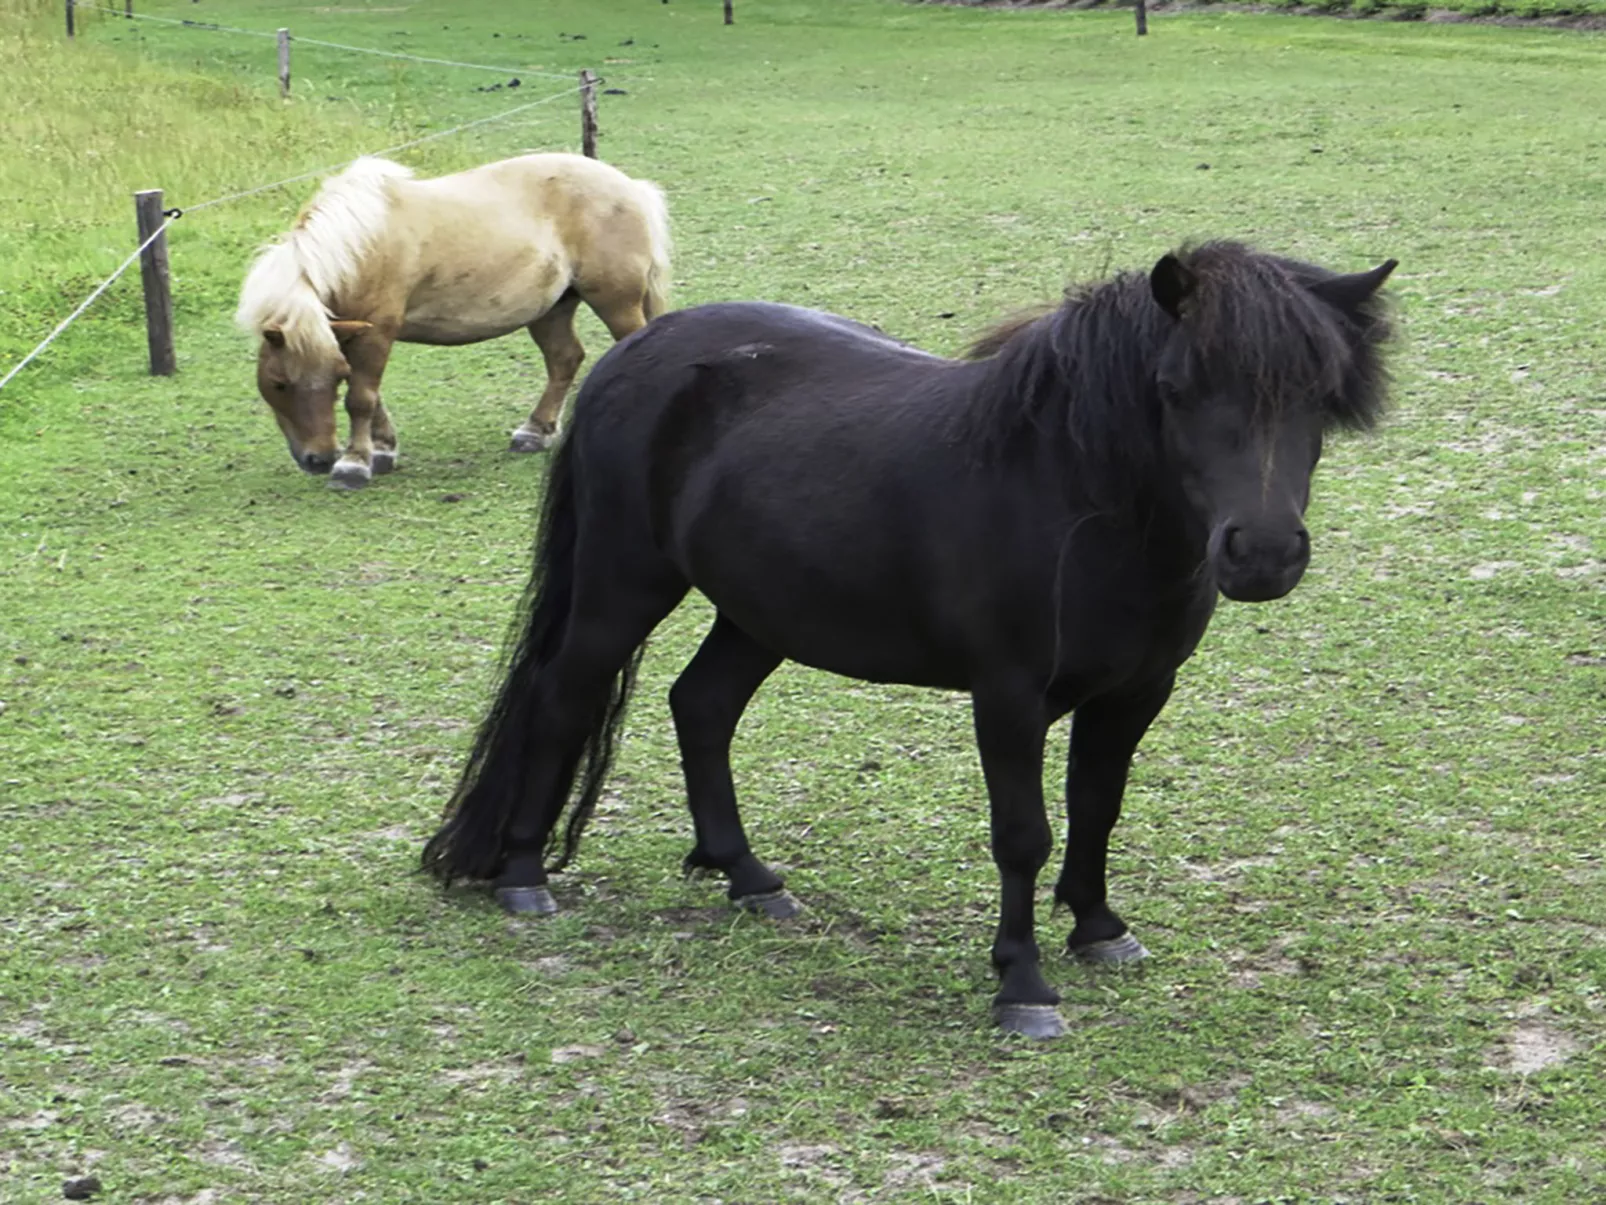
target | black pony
[{"x": 1045, "y": 526}]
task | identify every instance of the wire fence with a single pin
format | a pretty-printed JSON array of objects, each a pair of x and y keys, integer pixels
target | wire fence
[
  {"x": 389, "y": 150},
  {"x": 264, "y": 33},
  {"x": 172, "y": 215},
  {"x": 86, "y": 302}
]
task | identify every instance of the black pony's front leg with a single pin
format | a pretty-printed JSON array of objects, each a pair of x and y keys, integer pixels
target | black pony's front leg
[
  {"x": 1104, "y": 734},
  {"x": 1010, "y": 730}
]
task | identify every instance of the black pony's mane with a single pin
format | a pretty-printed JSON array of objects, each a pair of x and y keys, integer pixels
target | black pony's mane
[{"x": 1086, "y": 370}]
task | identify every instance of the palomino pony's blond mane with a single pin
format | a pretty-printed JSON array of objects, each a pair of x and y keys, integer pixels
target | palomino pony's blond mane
[{"x": 292, "y": 280}]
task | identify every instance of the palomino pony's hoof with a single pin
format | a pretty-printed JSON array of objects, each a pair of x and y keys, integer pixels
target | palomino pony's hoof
[
  {"x": 349, "y": 475},
  {"x": 1116, "y": 951},
  {"x": 526, "y": 901},
  {"x": 777, "y": 905},
  {"x": 383, "y": 462},
  {"x": 1030, "y": 1020},
  {"x": 526, "y": 440}
]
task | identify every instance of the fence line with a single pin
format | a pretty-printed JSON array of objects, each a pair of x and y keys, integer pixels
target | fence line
[
  {"x": 389, "y": 150},
  {"x": 87, "y": 301},
  {"x": 174, "y": 214},
  {"x": 262, "y": 33},
  {"x": 394, "y": 54},
  {"x": 117, "y": 12}
]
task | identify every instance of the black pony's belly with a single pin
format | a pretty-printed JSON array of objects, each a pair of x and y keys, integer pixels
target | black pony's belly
[{"x": 856, "y": 635}]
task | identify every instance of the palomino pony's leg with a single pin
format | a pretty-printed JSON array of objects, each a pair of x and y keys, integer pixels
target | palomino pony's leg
[
  {"x": 367, "y": 354},
  {"x": 1104, "y": 733},
  {"x": 553, "y": 333},
  {"x": 1010, "y": 732},
  {"x": 385, "y": 445},
  {"x": 707, "y": 701},
  {"x": 623, "y": 311}
]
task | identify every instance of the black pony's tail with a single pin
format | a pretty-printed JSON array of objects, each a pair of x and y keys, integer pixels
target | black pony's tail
[{"x": 495, "y": 784}]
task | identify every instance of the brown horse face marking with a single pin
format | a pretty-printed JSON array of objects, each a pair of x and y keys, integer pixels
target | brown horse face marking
[{"x": 302, "y": 400}]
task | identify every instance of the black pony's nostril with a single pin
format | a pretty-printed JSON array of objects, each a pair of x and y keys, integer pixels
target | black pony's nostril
[
  {"x": 1301, "y": 545},
  {"x": 1233, "y": 545}
]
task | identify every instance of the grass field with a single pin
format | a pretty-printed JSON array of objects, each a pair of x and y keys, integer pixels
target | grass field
[
  {"x": 1364, "y": 842},
  {"x": 1579, "y": 13}
]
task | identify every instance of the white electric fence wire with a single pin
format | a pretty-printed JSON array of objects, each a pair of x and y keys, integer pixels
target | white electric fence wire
[
  {"x": 262, "y": 33},
  {"x": 251, "y": 192},
  {"x": 86, "y": 303}
]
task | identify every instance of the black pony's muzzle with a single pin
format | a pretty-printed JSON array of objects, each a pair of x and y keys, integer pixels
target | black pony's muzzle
[{"x": 1255, "y": 564}]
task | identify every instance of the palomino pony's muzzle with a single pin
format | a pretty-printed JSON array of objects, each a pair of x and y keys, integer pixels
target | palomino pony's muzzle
[
  {"x": 316, "y": 463},
  {"x": 1258, "y": 564}
]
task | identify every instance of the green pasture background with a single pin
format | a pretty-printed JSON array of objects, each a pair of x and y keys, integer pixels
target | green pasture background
[{"x": 1364, "y": 843}]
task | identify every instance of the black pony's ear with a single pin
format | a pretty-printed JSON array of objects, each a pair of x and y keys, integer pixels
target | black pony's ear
[
  {"x": 1349, "y": 293},
  {"x": 1172, "y": 283}
]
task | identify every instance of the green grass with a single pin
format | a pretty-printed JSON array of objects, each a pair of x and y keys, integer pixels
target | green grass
[
  {"x": 1364, "y": 842},
  {"x": 1582, "y": 12}
]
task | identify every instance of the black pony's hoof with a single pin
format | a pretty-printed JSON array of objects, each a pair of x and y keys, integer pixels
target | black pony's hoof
[
  {"x": 1030, "y": 1020},
  {"x": 1116, "y": 951},
  {"x": 777, "y": 905},
  {"x": 526, "y": 901}
]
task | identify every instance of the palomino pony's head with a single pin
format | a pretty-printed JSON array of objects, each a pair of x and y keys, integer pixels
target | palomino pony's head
[
  {"x": 300, "y": 381},
  {"x": 286, "y": 300},
  {"x": 1262, "y": 357}
]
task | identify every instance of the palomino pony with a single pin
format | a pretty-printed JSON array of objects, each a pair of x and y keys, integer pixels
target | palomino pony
[
  {"x": 378, "y": 257},
  {"x": 1046, "y": 527}
]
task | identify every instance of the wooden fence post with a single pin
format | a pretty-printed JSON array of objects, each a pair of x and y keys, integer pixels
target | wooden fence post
[
  {"x": 128, "y": 9},
  {"x": 155, "y": 276},
  {"x": 284, "y": 63},
  {"x": 1143, "y": 17},
  {"x": 730, "y": 17},
  {"x": 70, "y": 30},
  {"x": 588, "y": 114}
]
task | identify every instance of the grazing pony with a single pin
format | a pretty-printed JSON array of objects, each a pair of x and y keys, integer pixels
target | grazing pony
[
  {"x": 378, "y": 257},
  {"x": 1046, "y": 526}
]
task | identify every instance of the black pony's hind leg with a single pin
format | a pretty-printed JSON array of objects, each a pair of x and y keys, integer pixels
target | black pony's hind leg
[
  {"x": 707, "y": 700},
  {"x": 576, "y": 695},
  {"x": 1104, "y": 734}
]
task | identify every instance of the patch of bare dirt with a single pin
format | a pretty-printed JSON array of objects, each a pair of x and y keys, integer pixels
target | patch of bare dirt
[
  {"x": 221, "y": 1153},
  {"x": 483, "y": 1075},
  {"x": 341, "y": 1159},
  {"x": 1533, "y": 1045},
  {"x": 817, "y": 1161}
]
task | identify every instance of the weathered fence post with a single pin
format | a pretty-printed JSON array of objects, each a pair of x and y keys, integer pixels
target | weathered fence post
[
  {"x": 128, "y": 10},
  {"x": 1143, "y": 17},
  {"x": 284, "y": 63},
  {"x": 588, "y": 114},
  {"x": 69, "y": 19},
  {"x": 154, "y": 274},
  {"x": 730, "y": 17}
]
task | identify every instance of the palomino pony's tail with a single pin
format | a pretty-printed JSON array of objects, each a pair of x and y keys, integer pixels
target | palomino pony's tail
[
  {"x": 495, "y": 784},
  {"x": 656, "y": 211}
]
